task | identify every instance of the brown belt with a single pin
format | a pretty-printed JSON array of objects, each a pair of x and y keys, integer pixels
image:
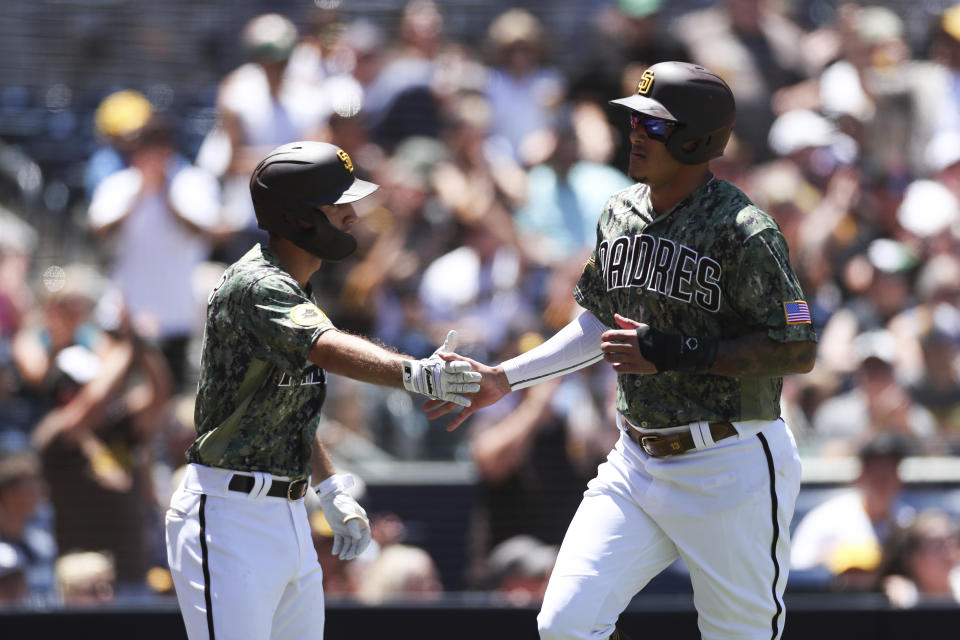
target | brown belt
[
  {"x": 292, "y": 490},
  {"x": 670, "y": 444}
]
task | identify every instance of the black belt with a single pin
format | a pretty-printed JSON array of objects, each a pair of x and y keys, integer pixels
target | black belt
[
  {"x": 671, "y": 444},
  {"x": 292, "y": 490}
]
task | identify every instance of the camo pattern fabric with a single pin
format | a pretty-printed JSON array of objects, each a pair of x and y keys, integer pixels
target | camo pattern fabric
[
  {"x": 714, "y": 266},
  {"x": 259, "y": 398}
]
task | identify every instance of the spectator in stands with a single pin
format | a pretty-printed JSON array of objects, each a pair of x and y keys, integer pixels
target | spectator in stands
[
  {"x": 472, "y": 181},
  {"x": 878, "y": 285},
  {"x": 846, "y": 533},
  {"x": 95, "y": 446},
  {"x": 890, "y": 103},
  {"x": 400, "y": 573},
  {"x": 118, "y": 119},
  {"x": 942, "y": 102},
  {"x": 86, "y": 579},
  {"x": 159, "y": 216},
  {"x": 61, "y": 321},
  {"x": 921, "y": 563},
  {"x": 13, "y": 577},
  {"x": 565, "y": 195},
  {"x": 319, "y": 53},
  {"x": 522, "y": 90},
  {"x": 927, "y": 212},
  {"x": 625, "y": 38},
  {"x": 627, "y": 32},
  {"x": 519, "y": 569},
  {"x": 534, "y": 456},
  {"x": 402, "y": 100},
  {"x": 942, "y": 157},
  {"x": 259, "y": 107},
  {"x": 21, "y": 493},
  {"x": 877, "y": 403},
  {"x": 477, "y": 286},
  {"x": 757, "y": 49},
  {"x": 938, "y": 390},
  {"x": 18, "y": 242}
]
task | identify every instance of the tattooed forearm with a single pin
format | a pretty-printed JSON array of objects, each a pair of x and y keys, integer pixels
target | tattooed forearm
[{"x": 758, "y": 355}]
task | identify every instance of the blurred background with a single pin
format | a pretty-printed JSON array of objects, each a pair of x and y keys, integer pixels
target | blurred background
[{"x": 128, "y": 130}]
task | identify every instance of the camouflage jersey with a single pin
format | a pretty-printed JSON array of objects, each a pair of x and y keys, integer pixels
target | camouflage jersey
[
  {"x": 713, "y": 266},
  {"x": 259, "y": 398}
]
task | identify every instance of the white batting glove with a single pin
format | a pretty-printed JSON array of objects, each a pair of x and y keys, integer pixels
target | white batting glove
[
  {"x": 436, "y": 378},
  {"x": 347, "y": 519}
]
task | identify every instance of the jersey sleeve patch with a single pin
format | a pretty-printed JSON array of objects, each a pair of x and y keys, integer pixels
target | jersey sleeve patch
[
  {"x": 797, "y": 312},
  {"x": 307, "y": 315}
]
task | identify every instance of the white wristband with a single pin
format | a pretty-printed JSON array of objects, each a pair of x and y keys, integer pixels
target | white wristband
[{"x": 335, "y": 483}]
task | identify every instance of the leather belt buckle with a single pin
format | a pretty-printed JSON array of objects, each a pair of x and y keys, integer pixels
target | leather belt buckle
[
  {"x": 297, "y": 489},
  {"x": 647, "y": 442}
]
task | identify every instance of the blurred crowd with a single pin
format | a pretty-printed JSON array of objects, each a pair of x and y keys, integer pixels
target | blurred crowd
[{"x": 494, "y": 159}]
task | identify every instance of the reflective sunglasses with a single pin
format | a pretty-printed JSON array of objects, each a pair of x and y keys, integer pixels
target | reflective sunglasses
[{"x": 656, "y": 128}]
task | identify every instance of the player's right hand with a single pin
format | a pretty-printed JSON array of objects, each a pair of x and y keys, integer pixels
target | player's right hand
[
  {"x": 621, "y": 348},
  {"x": 442, "y": 379}
]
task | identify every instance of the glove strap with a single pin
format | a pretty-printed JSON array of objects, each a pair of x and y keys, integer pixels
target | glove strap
[
  {"x": 334, "y": 484},
  {"x": 669, "y": 352},
  {"x": 418, "y": 376}
]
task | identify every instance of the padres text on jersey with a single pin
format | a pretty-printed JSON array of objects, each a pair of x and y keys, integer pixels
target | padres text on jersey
[{"x": 714, "y": 266}]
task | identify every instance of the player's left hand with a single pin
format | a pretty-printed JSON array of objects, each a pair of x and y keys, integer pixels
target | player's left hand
[
  {"x": 493, "y": 386},
  {"x": 621, "y": 348},
  {"x": 441, "y": 379},
  {"x": 349, "y": 522}
]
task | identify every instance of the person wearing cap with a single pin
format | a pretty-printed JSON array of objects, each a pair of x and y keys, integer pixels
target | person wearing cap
[
  {"x": 519, "y": 568},
  {"x": 118, "y": 118},
  {"x": 157, "y": 220},
  {"x": 238, "y": 537},
  {"x": 690, "y": 297},
  {"x": 846, "y": 532}
]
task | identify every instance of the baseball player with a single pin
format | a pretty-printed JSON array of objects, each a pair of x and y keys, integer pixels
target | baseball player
[
  {"x": 238, "y": 538},
  {"x": 690, "y": 296}
]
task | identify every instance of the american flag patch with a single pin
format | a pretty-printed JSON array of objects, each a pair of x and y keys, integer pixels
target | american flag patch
[{"x": 797, "y": 312}]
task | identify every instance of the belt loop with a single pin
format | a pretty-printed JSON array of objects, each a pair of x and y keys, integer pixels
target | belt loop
[
  {"x": 696, "y": 432},
  {"x": 702, "y": 435},
  {"x": 261, "y": 484}
]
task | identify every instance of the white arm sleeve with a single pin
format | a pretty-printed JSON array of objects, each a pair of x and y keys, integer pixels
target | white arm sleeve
[{"x": 575, "y": 346}]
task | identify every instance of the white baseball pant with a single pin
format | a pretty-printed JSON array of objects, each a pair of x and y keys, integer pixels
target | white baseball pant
[
  {"x": 725, "y": 510},
  {"x": 243, "y": 565}
]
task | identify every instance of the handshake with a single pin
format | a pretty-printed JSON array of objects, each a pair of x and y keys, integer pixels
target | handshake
[{"x": 439, "y": 379}]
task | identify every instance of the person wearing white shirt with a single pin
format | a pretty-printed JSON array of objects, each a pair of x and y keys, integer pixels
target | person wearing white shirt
[{"x": 158, "y": 215}]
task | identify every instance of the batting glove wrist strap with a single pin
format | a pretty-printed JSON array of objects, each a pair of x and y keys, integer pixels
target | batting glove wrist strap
[
  {"x": 336, "y": 482},
  {"x": 442, "y": 380},
  {"x": 670, "y": 352}
]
